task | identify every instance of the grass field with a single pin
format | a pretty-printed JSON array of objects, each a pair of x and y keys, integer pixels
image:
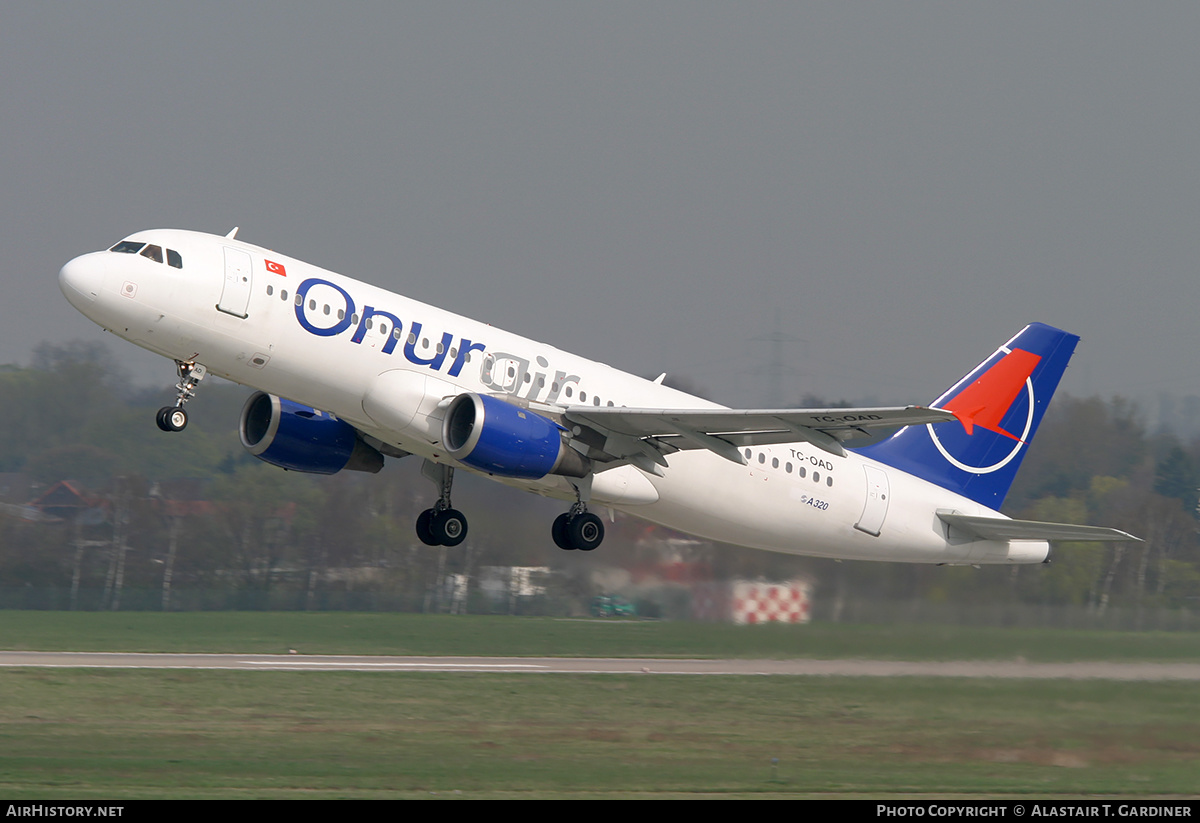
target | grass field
[
  {"x": 390, "y": 633},
  {"x": 125, "y": 734}
]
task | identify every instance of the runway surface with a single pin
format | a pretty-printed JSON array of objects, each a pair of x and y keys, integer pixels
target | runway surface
[{"x": 584, "y": 665}]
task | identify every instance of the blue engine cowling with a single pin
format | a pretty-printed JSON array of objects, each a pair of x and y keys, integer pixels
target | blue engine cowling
[
  {"x": 497, "y": 437},
  {"x": 297, "y": 437}
]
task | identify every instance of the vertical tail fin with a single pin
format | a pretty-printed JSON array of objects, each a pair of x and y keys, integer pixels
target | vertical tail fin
[{"x": 1000, "y": 405}]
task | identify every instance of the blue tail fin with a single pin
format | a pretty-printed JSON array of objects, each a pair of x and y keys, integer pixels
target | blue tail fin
[{"x": 1000, "y": 405}]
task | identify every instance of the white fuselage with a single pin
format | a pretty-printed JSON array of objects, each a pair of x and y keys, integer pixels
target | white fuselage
[{"x": 386, "y": 364}]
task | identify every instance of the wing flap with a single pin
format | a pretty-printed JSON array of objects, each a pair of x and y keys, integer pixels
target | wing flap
[
  {"x": 753, "y": 422},
  {"x": 725, "y": 431}
]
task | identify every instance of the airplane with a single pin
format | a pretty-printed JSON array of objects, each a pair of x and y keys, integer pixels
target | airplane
[{"x": 347, "y": 374}]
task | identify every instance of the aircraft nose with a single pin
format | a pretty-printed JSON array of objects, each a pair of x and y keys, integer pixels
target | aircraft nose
[{"x": 80, "y": 280}]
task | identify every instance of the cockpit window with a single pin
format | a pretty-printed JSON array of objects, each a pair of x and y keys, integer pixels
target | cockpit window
[{"x": 150, "y": 252}]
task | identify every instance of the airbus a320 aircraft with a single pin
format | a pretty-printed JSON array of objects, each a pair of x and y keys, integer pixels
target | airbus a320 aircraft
[{"x": 369, "y": 374}]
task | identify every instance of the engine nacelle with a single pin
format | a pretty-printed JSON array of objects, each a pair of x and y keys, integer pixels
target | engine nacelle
[
  {"x": 497, "y": 437},
  {"x": 297, "y": 437}
]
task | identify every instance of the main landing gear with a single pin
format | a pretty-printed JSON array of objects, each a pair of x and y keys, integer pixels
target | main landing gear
[
  {"x": 577, "y": 529},
  {"x": 443, "y": 525},
  {"x": 174, "y": 418}
]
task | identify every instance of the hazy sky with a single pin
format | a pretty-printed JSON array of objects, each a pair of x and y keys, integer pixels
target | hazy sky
[{"x": 903, "y": 184}]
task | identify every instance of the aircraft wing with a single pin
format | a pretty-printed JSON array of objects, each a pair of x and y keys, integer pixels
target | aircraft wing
[
  {"x": 996, "y": 528},
  {"x": 623, "y": 433}
]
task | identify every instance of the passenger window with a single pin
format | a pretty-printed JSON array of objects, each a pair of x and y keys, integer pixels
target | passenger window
[
  {"x": 174, "y": 259},
  {"x": 153, "y": 252}
]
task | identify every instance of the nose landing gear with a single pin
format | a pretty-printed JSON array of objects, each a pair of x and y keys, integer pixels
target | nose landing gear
[{"x": 174, "y": 418}]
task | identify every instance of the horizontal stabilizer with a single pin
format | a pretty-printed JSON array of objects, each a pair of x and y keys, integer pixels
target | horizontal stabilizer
[{"x": 998, "y": 528}]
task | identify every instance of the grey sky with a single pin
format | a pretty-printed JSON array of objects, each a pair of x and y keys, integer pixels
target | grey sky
[{"x": 906, "y": 184}]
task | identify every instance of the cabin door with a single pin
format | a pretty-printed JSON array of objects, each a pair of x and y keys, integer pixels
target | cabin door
[
  {"x": 876, "y": 505},
  {"x": 235, "y": 293}
]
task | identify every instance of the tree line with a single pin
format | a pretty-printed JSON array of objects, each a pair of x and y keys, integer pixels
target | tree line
[{"x": 170, "y": 521}]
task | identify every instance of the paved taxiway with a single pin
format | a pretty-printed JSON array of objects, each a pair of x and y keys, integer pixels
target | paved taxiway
[{"x": 584, "y": 665}]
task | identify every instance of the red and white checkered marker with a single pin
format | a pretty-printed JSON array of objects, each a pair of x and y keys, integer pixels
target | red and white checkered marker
[{"x": 770, "y": 603}]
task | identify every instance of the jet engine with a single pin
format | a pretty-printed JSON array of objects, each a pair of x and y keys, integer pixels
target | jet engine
[
  {"x": 495, "y": 436},
  {"x": 296, "y": 437}
]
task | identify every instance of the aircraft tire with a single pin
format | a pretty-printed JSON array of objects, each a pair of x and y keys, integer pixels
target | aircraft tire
[
  {"x": 559, "y": 532},
  {"x": 449, "y": 527},
  {"x": 172, "y": 419},
  {"x": 585, "y": 531},
  {"x": 425, "y": 528}
]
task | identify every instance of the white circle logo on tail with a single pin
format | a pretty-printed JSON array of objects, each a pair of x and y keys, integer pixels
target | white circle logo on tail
[{"x": 1018, "y": 444}]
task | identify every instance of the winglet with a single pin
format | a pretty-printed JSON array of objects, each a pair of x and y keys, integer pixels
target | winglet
[
  {"x": 989, "y": 397},
  {"x": 967, "y": 419}
]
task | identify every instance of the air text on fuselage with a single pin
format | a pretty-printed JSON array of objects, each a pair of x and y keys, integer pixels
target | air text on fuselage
[{"x": 500, "y": 371}]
